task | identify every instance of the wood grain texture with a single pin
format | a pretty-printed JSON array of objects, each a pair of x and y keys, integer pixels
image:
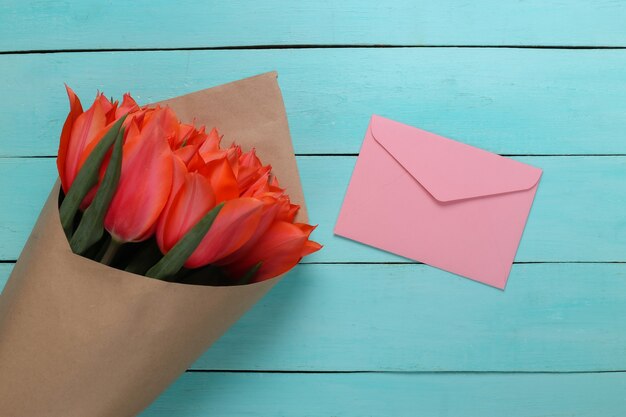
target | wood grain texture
[
  {"x": 552, "y": 317},
  {"x": 397, "y": 395},
  {"x": 430, "y": 343},
  {"x": 511, "y": 101},
  {"x": 32, "y": 24},
  {"x": 577, "y": 214}
]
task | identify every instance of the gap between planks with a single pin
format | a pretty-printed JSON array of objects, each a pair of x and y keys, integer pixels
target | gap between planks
[
  {"x": 487, "y": 372},
  {"x": 301, "y": 46}
]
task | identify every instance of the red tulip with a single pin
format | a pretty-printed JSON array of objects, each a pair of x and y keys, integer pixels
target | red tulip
[
  {"x": 145, "y": 182},
  {"x": 210, "y": 145},
  {"x": 276, "y": 207},
  {"x": 222, "y": 178},
  {"x": 250, "y": 170},
  {"x": 83, "y": 130},
  {"x": 179, "y": 174},
  {"x": 172, "y": 175},
  {"x": 278, "y": 250},
  {"x": 76, "y": 109},
  {"x": 128, "y": 105},
  {"x": 189, "y": 204},
  {"x": 233, "y": 226},
  {"x": 269, "y": 211},
  {"x": 79, "y": 131}
]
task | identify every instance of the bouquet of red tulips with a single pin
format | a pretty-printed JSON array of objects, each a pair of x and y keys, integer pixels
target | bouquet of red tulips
[
  {"x": 204, "y": 214},
  {"x": 154, "y": 241}
]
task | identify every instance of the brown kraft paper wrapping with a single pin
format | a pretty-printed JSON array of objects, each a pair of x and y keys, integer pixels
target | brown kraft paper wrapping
[{"x": 81, "y": 339}]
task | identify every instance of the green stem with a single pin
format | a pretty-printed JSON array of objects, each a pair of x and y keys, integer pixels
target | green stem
[{"x": 111, "y": 251}]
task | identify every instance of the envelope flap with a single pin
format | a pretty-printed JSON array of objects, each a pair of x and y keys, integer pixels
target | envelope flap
[{"x": 448, "y": 169}]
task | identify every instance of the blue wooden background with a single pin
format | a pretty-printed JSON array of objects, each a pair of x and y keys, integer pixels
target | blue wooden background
[{"x": 354, "y": 331}]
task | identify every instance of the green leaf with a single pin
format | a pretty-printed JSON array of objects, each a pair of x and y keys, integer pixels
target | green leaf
[
  {"x": 206, "y": 275},
  {"x": 144, "y": 257},
  {"x": 174, "y": 260},
  {"x": 91, "y": 226},
  {"x": 96, "y": 250},
  {"x": 247, "y": 277},
  {"x": 86, "y": 178}
]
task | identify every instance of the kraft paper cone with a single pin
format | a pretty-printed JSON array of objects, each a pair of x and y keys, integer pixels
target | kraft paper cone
[{"x": 81, "y": 339}]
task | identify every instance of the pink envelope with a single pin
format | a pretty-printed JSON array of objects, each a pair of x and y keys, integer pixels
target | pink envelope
[{"x": 438, "y": 201}]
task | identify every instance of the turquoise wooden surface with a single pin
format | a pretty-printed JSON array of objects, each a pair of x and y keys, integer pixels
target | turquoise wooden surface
[
  {"x": 355, "y": 331},
  {"x": 578, "y": 213},
  {"x": 46, "y": 24},
  {"x": 394, "y": 394},
  {"x": 511, "y": 101},
  {"x": 414, "y": 318}
]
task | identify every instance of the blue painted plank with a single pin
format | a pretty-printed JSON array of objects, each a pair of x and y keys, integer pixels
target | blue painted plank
[
  {"x": 397, "y": 395},
  {"x": 577, "y": 215},
  {"x": 32, "y": 24},
  {"x": 511, "y": 101},
  {"x": 552, "y": 317}
]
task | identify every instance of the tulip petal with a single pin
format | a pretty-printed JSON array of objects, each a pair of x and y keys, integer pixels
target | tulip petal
[
  {"x": 170, "y": 126},
  {"x": 144, "y": 185},
  {"x": 179, "y": 174},
  {"x": 222, "y": 179},
  {"x": 128, "y": 105},
  {"x": 87, "y": 126},
  {"x": 86, "y": 179},
  {"x": 186, "y": 153},
  {"x": 268, "y": 215},
  {"x": 107, "y": 107},
  {"x": 185, "y": 132},
  {"x": 211, "y": 144},
  {"x": 233, "y": 227},
  {"x": 259, "y": 187},
  {"x": 287, "y": 210},
  {"x": 194, "y": 199},
  {"x": 76, "y": 109},
  {"x": 198, "y": 137},
  {"x": 250, "y": 170},
  {"x": 91, "y": 226},
  {"x": 279, "y": 250},
  {"x": 173, "y": 261},
  {"x": 310, "y": 247}
]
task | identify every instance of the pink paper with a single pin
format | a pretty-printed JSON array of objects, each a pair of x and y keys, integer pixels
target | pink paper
[{"x": 438, "y": 201}]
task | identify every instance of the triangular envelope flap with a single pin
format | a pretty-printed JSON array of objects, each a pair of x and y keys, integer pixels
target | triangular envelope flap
[{"x": 451, "y": 170}]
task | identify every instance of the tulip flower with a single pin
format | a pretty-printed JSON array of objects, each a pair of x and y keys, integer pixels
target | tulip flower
[
  {"x": 269, "y": 211},
  {"x": 250, "y": 170},
  {"x": 278, "y": 250},
  {"x": 211, "y": 145},
  {"x": 128, "y": 106},
  {"x": 187, "y": 206},
  {"x": 234, "y": 225},
  {"x": 79, "y": 131},
  {"x": 179, "y": 174},
  {"x": 222, "y": 178},
  {"x": 173, "y": 183},
  {"x": 82, "y": 131},
  {"x": 276, "y": 207},
  {"x": 145, "y": 182}
]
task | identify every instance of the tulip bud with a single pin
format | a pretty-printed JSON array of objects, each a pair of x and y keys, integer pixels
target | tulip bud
[{"x": 145, "y": 182}]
